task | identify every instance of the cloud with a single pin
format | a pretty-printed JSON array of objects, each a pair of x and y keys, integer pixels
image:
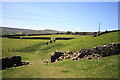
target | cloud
[{"x": 77, "y": 28}]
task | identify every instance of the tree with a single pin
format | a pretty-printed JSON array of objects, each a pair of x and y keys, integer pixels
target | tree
[
  {"x": 68, "y": 32},
  {"x": 76, "y": 33}
]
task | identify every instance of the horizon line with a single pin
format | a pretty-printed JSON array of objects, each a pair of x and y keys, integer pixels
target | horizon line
[{"x": 55, "y": 29}]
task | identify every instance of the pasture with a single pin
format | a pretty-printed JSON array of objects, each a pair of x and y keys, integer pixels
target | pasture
[{"x": 36, "y": 51}]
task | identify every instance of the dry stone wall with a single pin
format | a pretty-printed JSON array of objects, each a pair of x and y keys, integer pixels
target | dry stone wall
[
  {"x": 13, "y": 61},
  {"x": 55, "y": 55},
  {"x": 104, "y": 50},
  {"x": 92, "y": 53}
]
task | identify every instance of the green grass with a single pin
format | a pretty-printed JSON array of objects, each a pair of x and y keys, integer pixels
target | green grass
[
  {"x": 53, "y": 36},
  {"x": 36, "y": 51}
]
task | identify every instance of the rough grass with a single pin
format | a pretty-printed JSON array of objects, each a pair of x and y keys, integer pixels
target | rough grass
[{"x": 36, "y": 51}]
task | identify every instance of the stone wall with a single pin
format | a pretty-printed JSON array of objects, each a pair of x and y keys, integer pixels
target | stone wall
[
  {"x": 98, "y": 34},
  {"x": 58, "y": 38},
  {"x": 104, "y": 50},
  {"x": 13, "y": 61},
  {"x": 107, "y": 32},
  {"x": 55, "y": 55},
  {"x": 92, "y": 53}
]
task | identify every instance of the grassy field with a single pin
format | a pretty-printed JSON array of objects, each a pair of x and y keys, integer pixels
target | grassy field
[{"x": 36, "y": 51}]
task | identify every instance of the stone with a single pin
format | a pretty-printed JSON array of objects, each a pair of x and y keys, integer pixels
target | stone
[
  {"x": 92, "y": 53},
  {"x": 56, "y": 55},
  {"x": 46, "y": 61},
  {"x": 13, "y": 61}
]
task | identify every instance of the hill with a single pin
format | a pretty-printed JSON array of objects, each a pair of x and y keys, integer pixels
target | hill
[
  {"x": 8, "y": 31},
  {"x": 36, "y": 51}
]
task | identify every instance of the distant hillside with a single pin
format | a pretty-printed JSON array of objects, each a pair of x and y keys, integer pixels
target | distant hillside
[{"x": 8, "y": 30}]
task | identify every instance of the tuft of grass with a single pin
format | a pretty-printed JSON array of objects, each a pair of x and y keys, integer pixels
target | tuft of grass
[{"x": 65, "y": 71}]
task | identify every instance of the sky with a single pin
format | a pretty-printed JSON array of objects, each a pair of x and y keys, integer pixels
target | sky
[{"x": 62, "y": 16}]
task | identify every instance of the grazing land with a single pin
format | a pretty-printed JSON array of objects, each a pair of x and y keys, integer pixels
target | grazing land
[{"x": 36, "y": 51}]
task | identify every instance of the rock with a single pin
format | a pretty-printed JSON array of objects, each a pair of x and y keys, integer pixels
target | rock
[
  {"x": 69, "y": 52},
  {"x": 104, "y": 50},
  {"x": 59, "y": 59},
  {"x": 92, "y": 53},
  {"x": 56, "y": 55},
  {"x": 13, "y": 61},
  {"x": 67, "y": 57},
  {"x": 46, "y": 61}
]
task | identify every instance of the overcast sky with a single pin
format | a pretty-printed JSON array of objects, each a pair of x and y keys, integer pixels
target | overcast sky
[{"x": 63, "y": 16}]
